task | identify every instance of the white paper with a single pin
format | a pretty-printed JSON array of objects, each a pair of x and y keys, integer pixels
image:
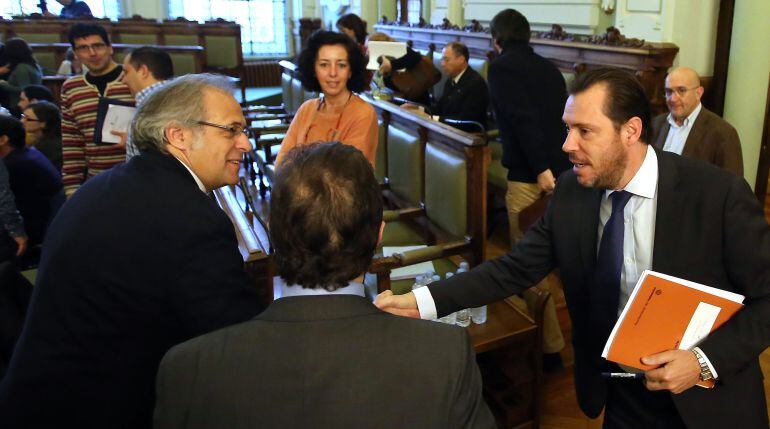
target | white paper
[
  {"x": 708, "y": 289},
  {"x": 700, "y": 325},
  {"x": 389, "y": 49},
  {"x": 117, "y": 118},
  {"x": 410, "y": 271}
]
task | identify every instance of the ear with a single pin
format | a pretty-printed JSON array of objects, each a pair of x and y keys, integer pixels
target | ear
[
  {"x": 699, "y": 92},
  {"x": 178, "y": 137},
  {"x": 144, "y": 71},
  {"x": 4, "y": 140},
  {"x": 631, "y": 131},
  {"x": 382, "y": 229}
]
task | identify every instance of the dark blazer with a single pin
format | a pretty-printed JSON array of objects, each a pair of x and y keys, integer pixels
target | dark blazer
[
  {"x": 711, "y": 139},
  {"x": 467, "y": 100},
  {"x": 35, "y": 183},
  {"x": 138, "y": 260},
  {"x": 709, "y": 229},
  {"x": 528, "y": 95},
  {"x": 323, "y": 362}
]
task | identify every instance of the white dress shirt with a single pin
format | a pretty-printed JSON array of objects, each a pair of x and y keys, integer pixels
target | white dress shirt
[
  {"x": 638, "y": 233},
  {"x": 352, "y": 288},
  {"x": 677, "y": 135}
]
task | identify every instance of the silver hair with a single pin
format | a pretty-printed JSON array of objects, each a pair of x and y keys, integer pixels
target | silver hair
[{"x": 178, "y": 101}]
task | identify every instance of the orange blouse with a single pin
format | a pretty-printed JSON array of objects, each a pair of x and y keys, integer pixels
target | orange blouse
[{"x": 355, "y": 124}]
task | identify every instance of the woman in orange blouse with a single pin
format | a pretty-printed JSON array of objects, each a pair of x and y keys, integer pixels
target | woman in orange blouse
[{"x": 332, "y": 64}]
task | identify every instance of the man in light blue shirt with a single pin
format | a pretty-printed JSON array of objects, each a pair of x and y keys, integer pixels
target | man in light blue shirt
[
  {"x": 322, "y": 355},
  {"x": 690, "y": 129}
]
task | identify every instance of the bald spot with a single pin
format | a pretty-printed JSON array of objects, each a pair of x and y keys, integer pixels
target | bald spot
[{"x": 686, "y": 76}]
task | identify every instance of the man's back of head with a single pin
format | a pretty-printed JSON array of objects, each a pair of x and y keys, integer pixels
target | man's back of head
[
  {"x": 509, "y": 26},
  {"x": 325, "y": 214}
]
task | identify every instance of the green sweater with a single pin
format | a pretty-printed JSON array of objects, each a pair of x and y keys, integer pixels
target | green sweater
[{"x": 22, "y": 75}]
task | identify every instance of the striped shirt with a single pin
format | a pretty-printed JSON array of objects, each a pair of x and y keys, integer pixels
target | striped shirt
[{"x": 82, "y": 158}]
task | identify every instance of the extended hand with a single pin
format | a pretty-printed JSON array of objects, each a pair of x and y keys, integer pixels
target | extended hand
[
  {"x": 21, "y": 242},
  {"x": 546, "y": 181},
  {"x": 400, "y": 305},
  {"x": 385, "y": 66},
  {"x": 123, "y": 137},
  {"x": 680, "y": 371}
]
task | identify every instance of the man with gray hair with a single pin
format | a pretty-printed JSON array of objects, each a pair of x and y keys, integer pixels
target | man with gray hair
[{"x": 110, "y": 301}]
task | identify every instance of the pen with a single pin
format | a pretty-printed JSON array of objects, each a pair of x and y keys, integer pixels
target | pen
[{"x": 628, "y": 375}]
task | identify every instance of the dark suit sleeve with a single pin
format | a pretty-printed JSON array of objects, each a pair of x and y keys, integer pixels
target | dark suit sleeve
[
  {"x": 474, "y": 105},
  {"x": 728, "y": 154},
  {"x": 470, "y": 410},
  {"x": 531, "y": 259},
  {"x": 173, "y": 390},
  {"x": 747, "y": 261},
  {"x": 409, "y": 60},
  {"x": 213, "y": 290},
  {"x": 513, "y": 103}
]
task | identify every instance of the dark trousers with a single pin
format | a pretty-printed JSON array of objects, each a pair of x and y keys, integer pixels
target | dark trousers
[
  {"x": 15, "y": 293},
  {"x": 630, "y": 405}
]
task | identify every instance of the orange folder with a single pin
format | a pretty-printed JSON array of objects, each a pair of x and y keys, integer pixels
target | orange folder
[{"x": 665, "y": 313}]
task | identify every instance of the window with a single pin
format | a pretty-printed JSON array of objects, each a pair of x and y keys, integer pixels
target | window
[
  {"x": 100, "y": 8},
  {"x": 263, "y": 22},
  {"x": 413, "y": 11}
]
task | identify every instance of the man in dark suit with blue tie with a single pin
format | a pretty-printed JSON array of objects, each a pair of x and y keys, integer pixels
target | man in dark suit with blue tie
[{"x": 623, "y": 208}]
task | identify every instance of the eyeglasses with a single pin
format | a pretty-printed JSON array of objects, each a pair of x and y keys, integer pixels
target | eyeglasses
[
  {"x": 681, "y": 91},
  {"x": 25, "y": 117},
  {"x": 96, "y": 47},
  {"x": 233, "y": 130}
]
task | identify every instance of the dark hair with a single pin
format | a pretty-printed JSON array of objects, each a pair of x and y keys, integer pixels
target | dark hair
[
  {"x": 157, "y": 61},
  {"x": 38, "y": 92},
  {"x": 355, "y": 23},
  {"x": 48, "y": 114},
  {"x": 509, "y": 26},
  {"x": 625, "y": 96},
  {"x": 17, "y": 51},
  {"x": 81, "y": 30},
  {"x": 12, "y": 127},
  {"x": 306, "y": 60},
  {"x": 325, "y": 215},
  {"x": 459, "y": 49}
]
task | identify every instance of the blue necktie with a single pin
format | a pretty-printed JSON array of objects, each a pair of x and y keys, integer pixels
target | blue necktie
[{"x": 609, "y": 263}]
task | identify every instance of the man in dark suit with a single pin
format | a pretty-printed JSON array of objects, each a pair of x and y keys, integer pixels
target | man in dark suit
[
  {"x": 139, "y": 259},
  {"x": 681, "y": 217},
  {"x": 691, "y": 130},
  {"x": 323, "y": 356},
  {"x": 465, "y": 96}
]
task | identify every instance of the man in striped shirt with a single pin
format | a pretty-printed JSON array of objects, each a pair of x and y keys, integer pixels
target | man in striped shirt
[{"x": 80, "y": 95}]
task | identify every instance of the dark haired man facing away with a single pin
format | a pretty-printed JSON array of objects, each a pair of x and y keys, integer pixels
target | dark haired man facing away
[{"x": 323, "y": 356}]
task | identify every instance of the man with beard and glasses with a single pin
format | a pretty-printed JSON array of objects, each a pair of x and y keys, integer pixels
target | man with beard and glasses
[{"x": 624, "y": 208}]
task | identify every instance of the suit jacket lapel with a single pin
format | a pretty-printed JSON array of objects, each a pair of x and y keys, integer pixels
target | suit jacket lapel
[
  {"x": 696, "y": 133},
  {"x": 588, "y": 219},
  {"x": 666, "y": 214}
]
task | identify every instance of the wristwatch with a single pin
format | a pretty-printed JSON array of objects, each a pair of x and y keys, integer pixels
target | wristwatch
[{"x": 705, "y": 371}]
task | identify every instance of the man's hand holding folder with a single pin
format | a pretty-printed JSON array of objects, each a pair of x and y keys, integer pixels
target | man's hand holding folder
[{"x": 664, "y": 319}]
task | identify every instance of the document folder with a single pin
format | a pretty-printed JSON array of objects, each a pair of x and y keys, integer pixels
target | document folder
[{"x": 665, "y": 313}]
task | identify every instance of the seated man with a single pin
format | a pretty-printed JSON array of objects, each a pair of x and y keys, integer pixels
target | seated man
[
  {"x": 323, "y": 356},
  {"x": 691, "y": 130},
  {"x": 35, "y": 182},
  {"x": 136, "y": 261},
  {"x": 34, "y": 93},
  {"x": 465, "y": 96}
]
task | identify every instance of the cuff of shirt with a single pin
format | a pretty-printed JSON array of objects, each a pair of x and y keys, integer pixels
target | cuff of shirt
[
  {"x": 425, "y": 303},
  {"x": 708, "y": 362}
]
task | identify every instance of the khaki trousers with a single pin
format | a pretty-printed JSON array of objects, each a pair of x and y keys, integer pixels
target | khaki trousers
[{"x": 518, "y": 197}]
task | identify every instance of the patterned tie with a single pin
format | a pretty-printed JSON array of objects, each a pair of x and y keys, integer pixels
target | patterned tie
[{"x": 609, "y": 263}]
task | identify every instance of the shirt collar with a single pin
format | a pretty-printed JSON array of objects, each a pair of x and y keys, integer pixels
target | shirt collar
[
  {"x": 141, "y": 95},
  {"x": 457, "y": 78},
  {"x": 352, "y": 288},
  {"x": 688, "y": 121},
  {"x": 197, "y": 180},
  {"x": 645, "y": 181}
]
